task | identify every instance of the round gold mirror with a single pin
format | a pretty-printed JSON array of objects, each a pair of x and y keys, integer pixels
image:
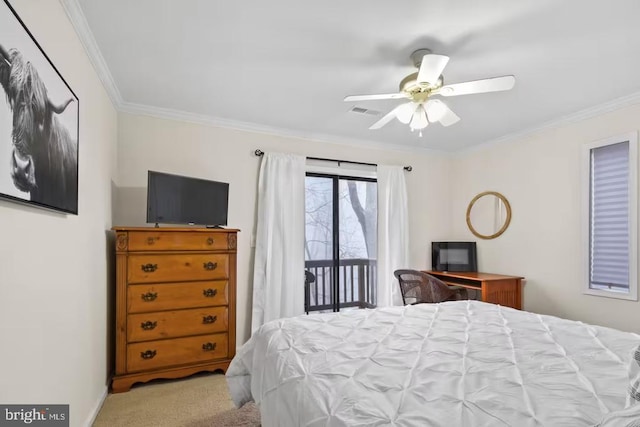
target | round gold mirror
[{"x": 488, "y": 215}]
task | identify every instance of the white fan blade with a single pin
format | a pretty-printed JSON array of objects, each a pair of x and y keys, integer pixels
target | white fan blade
[
  {"x": 404, "y": 112},
  {"x": 431, "y": 68},
  {"x": 494, "y": 84},
  {"x": 352, "y": 98},
  {"x": 384, "y": 120},
  {"x": 438, "y": 111}
]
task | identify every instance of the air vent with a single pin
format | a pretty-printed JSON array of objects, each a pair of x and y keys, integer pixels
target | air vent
[{"x": 360, "y": 110}]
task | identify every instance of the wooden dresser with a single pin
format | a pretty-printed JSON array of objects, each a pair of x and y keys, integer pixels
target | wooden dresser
[
  {"x": 175, "y": 302},
  {"x": 493, "y": 288}
]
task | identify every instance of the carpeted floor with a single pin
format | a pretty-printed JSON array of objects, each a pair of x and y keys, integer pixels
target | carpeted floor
[{"x": 199, "y": 401}]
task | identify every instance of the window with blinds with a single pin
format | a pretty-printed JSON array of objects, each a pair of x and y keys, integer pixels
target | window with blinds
[
  {"x": 611, "y": 233},
  {"x": 609, "y": 213}
]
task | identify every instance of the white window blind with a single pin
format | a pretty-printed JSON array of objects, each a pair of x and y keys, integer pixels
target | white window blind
[{"x": 609, "y": 218}]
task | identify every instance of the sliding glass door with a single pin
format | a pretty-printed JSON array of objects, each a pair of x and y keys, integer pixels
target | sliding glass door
[{"x": 340, "y": 244}]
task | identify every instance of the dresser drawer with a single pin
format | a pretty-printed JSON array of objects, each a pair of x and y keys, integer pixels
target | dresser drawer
[
  {"x": 171, "y": 296},
  {"x": 177, "y": 267},
  {"x": 179, "y": 351},
  {"x": 163, "y": 241},
  {"x": 172, "y": 324}
]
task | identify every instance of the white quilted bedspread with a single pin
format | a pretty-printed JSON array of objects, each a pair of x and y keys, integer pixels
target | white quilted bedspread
[{"x": 463, "y": 363}]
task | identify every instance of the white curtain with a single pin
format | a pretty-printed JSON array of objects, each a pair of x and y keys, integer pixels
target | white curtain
[
  {"x": 393, "y": 232},
  {"x": 278, "y": 274}
]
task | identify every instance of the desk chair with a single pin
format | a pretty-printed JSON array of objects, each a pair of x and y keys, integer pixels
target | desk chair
[{"x": 418, "y": 287}]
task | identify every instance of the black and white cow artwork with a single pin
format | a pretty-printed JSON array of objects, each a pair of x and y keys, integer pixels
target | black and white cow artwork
[{"x": 44, "y": 155}]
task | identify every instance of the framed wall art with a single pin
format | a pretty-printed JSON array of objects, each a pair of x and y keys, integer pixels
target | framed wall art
[{"x": 39, "y": 122}]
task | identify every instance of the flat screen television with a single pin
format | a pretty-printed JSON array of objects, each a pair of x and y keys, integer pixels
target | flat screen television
[
  {"x": 454, "y": 256},
  {"x": 175, "y": 199}
]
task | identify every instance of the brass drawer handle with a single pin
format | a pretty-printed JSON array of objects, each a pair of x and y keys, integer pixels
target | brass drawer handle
[
  {"x": 149, "y": 268},
  {"x": 150, "y": 240},
  {"x": 210, "y": 346},
  {"x": 209, "y": 319},
  {"x": 209, "y": 292},
  {"x": 210, "y": 241},
  {"x": 148, "y": 325},
  {"x": 149, "y": 296},
  {"x": 210, "y": 265},
  {"x": 149, "y": 354}
]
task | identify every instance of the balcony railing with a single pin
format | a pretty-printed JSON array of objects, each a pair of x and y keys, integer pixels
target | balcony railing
[{"x": 357, "y": 284}]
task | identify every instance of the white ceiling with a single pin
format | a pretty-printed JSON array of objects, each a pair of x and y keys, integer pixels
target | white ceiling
[{"x": 286, "y": 65}]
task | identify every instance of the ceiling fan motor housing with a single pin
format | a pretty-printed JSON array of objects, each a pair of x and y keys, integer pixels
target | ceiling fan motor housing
[{"x": 410, "y": 85}]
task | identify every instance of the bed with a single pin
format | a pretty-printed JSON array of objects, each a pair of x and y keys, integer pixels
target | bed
[{"x": 462, "y": 363}]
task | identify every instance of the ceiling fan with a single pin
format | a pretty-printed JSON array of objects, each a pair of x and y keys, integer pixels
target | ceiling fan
[{"x": 419, "y": 87}]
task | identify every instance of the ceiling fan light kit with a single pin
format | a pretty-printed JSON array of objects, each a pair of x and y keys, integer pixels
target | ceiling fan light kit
[
  {"x": 419, "y": 120},
  {"x": 420, "y": 86},
  {"x": 404, "y": 112}
]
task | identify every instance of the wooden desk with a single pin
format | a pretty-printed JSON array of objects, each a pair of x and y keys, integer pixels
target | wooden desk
[{"x": 494, "y": 288}]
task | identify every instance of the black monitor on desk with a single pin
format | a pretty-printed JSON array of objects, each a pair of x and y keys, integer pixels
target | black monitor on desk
[{"x": 454, "y": 256}]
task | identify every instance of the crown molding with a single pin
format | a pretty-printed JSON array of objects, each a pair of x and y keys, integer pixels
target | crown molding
[
  {"x": 201, "y": 119},
  {"x": 587, "y": 113},
  {"x": 165, "y": 113},
  {"x": 80, "y": 24}
]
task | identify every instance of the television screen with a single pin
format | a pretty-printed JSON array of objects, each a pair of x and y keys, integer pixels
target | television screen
[
  {"x": 175, "y": 199},
  {"x": 454, "y": 256}
]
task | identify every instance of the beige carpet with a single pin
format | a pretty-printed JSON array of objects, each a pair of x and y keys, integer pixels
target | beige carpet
[{"x": 199, "y": 401}]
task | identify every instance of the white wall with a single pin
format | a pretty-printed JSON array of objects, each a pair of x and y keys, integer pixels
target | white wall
[
  {"x": 53, "y": 267},
  {"x": 208, "y": 152},
  {"x": 540, "y": 176}
]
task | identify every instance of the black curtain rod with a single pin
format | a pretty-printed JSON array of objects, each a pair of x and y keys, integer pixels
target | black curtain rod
[{"x": 259, "y": 153}]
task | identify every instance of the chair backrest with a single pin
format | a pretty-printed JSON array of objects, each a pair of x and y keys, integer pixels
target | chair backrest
[
  {"x": 309, "y": 278},
  {"x": 418, "y": 287}
]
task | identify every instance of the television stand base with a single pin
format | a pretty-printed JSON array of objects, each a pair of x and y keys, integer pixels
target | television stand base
[{"x": 214, "y": 226}]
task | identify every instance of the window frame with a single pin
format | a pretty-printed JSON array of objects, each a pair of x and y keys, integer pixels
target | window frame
[
  {"x": 632, "y": 139},
  {"x": 336, "y": 175}
]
